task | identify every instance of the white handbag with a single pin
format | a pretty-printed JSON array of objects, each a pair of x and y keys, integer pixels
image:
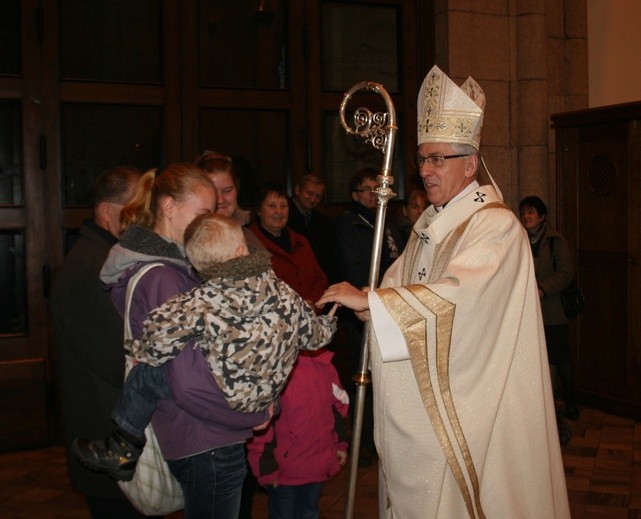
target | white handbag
[{"x": 153, "y": 490}]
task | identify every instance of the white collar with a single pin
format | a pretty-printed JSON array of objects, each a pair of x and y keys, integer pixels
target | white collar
[{"x": 468, "y": 189}]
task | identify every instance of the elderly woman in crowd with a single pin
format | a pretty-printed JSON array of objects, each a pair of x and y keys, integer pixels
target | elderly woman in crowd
[
  {"x": 292, "y": 256},
  {"x": 306, "y": 443}
]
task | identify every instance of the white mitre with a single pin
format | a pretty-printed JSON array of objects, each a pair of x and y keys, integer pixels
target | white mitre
[{"x": 448, "y": 113}]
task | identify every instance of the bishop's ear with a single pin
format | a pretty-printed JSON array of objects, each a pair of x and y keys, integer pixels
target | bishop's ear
[{"x": 471, "y": 165}]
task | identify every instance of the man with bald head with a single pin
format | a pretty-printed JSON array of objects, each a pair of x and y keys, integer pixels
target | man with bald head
[
  {"x": 306, "y": 219},
  {"x": 89, "y": 340}
]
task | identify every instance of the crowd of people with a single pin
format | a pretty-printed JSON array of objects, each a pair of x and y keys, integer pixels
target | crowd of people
[{"x": 231, "y": 310}]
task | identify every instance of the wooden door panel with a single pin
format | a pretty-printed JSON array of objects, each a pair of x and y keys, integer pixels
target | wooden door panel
[
  {"x": 601, "y": 362},
  {"x": 602, "y": 253},
  {"x": 23, "y": 400},
  {"x": 598, "y": 186},
  {"x": 602, "y": 188},
  {"x": 24, "y": 371}
]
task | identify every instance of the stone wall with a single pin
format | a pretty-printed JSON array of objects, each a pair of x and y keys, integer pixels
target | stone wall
[{"x": 530, "y": 57}]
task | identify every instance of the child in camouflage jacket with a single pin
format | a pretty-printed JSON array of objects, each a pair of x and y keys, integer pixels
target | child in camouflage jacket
[{"x": 248, "y": 323}]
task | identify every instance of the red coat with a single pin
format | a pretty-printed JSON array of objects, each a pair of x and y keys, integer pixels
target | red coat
[
  {"x": 300, "y": 446},
  {"x": 299, "y": 269}
]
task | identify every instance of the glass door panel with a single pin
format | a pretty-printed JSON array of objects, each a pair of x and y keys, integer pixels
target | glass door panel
[
  {"x": 359, "y": 43},
  {"x": 98, "y": 137},
  {"x": 11, "y": 181},
  {"x": 111, "y": 40},
  {"x": 257, "y": 140},
  {"x": 243, "y": 44},
  {"x": 13, "y": 288},
  {"x": 10, "y": 32},
  {"x": 13, "y": 303}
]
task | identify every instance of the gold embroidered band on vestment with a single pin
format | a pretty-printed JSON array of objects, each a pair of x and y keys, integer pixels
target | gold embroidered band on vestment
[{"x": 409, "y": 311}]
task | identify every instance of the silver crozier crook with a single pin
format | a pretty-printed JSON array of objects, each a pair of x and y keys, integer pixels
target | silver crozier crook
[{"x": 378, "y": 129}]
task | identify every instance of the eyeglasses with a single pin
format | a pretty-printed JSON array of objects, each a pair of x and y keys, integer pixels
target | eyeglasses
[
  {"x": 435, "y": 161},
  {"x": 365, "y": 189}
]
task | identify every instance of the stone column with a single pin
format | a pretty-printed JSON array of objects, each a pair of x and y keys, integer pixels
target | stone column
[
  {"x": 530, "y": 57},
  {"x": 475, "y": 39},
  {"x": 531, "y": 98}
]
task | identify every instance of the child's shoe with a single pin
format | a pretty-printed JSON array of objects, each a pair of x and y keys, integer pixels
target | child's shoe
[{"x": 115, "y": 455}]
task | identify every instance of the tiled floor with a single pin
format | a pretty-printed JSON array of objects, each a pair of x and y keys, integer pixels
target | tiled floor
[
  {"x": 33, "y": 485},
  {"x": 602, "y": 466}
]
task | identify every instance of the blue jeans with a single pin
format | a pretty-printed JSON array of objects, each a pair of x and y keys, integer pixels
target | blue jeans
[
  {"x": 212, "y": 482},
  {"x": 294, "y": 502},
  {"x": 143, "y": 387}
]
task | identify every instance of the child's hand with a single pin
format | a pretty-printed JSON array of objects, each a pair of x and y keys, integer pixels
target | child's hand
[
  {"x": 333, "y": 310},
  {"x": 342, "y": 457}
]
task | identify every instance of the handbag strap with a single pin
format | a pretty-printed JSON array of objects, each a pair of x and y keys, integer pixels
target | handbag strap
[{"x": 130, "y": 292}]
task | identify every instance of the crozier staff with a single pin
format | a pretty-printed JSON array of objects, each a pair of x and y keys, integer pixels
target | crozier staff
[{"x": 463, "y": 408}]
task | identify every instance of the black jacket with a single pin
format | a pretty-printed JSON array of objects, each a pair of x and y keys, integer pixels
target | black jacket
[
  {"x": 354, "y": 237},
  {"x": 91, "y": 359},
  {"x": 319, "y": 231}
]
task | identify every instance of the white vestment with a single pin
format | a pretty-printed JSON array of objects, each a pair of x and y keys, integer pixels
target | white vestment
[{"x": 465, "y": 424}]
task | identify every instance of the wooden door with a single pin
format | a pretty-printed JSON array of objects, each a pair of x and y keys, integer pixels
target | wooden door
[
  {"x": 79, "y": 92},
  {"x": 599, "y": 187},
  {"x": 24, "y": 371},
  {"x": 88, "y": 85}
]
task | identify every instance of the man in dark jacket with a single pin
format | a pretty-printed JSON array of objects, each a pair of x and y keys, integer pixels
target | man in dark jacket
[
  {"x": 318, "y": 228},
  {"x": 354, "y": 237},
  {"x": 355, "y": 232},
  {"x": 89, "y": 338}
]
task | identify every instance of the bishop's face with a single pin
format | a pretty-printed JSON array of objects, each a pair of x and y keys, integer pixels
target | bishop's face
[{"x": 444, "y": 182}]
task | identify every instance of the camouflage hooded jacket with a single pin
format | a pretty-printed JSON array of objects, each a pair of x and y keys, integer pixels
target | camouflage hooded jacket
[{"x": 249, "y": 324}]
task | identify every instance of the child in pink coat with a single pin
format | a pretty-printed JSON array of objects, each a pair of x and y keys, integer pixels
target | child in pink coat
[{"x": 306, "y": 444}]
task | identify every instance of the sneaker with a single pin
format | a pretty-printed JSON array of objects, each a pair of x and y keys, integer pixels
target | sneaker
[{"x": 113, "y": 456}]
